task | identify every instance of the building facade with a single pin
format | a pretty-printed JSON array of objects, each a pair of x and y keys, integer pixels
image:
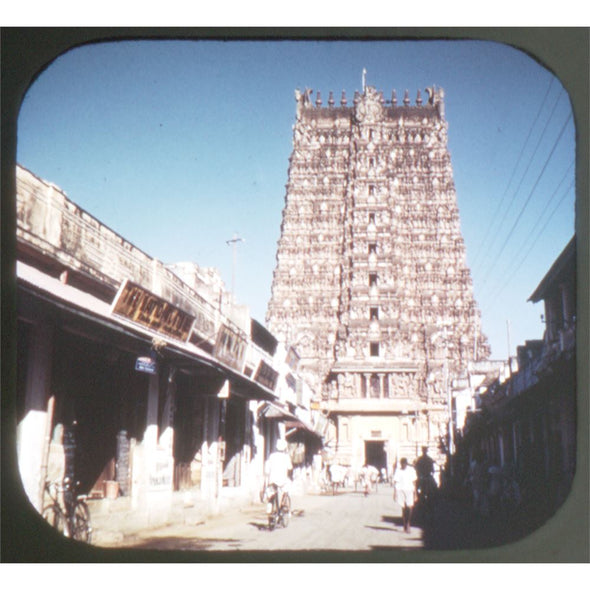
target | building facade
[
  {"x": 371, "y": 283},
  {"x": 136, "y": 379},
  {"x": 526, "y": 424}
]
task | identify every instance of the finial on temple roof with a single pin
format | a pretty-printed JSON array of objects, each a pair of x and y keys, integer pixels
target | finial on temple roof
[
  {"x": 419, "y": 98},
  {"x": 393, "y": 98},
  {"x": 331, "y": 99},
  {"x": 430, "y": 92},
  {"x": 436, "y": 99},
  {"x": 318, "y": 100},
  {"x": 364, "y": 80},
  {"x": 357, "y": 97},
  {"x": 406, "y": 98},
  {"x": 343, "y": 100}
]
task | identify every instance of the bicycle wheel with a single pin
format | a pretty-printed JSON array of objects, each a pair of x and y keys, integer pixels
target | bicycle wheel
[
  {"x": 81, "y": 522},
  {"x": 285, "y": 512},
  {"x": 55, "y": 518}
]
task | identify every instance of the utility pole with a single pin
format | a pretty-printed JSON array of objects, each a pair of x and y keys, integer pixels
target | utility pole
[
  {"x": 447, "y": 386},
  {"x": 233, "y": 243},
  {"x": 508, "y": 338}
]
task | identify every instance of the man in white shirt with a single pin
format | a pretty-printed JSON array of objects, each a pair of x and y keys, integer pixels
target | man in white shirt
[
  {"x": 278, "y": 468},
  {"x": 404, "y": 486}
]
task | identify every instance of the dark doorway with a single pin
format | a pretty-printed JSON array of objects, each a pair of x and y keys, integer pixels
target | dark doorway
[{"x": 375, "y": 454}]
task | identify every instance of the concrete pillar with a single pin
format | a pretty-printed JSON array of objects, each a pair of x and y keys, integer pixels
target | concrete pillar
[
  {"x": 212, "y": 473},
  {"x": 34, "y": 430},
  {"x": 166, "y": 430},
  {"x": 150, "y": 437},
  {"x": 367, "y": 378}
]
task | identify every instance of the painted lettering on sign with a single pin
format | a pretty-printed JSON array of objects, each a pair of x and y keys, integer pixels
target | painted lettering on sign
[
  {"x": 230, "y": 347},
  {"x": 146, "y": 364},
  {"x": 266, "y": 375},
  {"x": 143, "y": 307},
  {"x": 203, "y": 328},
  {"x": 292, "y": 359}
]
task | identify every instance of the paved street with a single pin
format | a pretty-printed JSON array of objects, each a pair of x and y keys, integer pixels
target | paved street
[{"x": 347, "y": 521}]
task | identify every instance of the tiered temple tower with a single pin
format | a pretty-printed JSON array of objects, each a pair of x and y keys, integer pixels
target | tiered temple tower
[{"x": 371, "y": 283}]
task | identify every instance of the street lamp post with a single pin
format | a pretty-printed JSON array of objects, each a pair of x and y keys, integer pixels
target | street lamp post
[{"x": 233, "y": 243}]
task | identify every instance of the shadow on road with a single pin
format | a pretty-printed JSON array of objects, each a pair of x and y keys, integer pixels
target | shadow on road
[
  {"x": 452, "y": 524},
  {"x": 395, "y": 524},
  {"x": 173, "y": 543}
]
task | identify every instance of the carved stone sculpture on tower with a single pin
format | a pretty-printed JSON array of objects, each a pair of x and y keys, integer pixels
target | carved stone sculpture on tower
[{"x": 389, "y": 271}]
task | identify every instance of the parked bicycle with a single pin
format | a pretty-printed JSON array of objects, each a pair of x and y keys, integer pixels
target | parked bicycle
[
  {"x": 68, "y": 511},
  {"x": 279, "y": 514}
]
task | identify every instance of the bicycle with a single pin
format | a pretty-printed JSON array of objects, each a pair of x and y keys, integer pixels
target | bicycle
[
  {"x": 279, "y": 515},
  {"x": 72, "y": 519}
]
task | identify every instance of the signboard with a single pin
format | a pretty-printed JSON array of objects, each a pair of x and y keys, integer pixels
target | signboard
[
  {"x": 146, "y": 364},
  {"x": 203, "y": 328},
  {"x": 291, "y": 381},
  {"x": 292, "y": 359},
  {"x": 143, "y": 307},
  {"x": 266, "y": 375},
  {"x": 230, "y": 347}
]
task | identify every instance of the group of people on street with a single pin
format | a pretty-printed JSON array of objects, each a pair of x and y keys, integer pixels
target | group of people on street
[
  {"x": 409, "y": 483},
  {"x": 493, "y": 488}
]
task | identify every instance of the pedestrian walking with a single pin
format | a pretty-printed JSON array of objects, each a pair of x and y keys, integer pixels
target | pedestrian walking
[{"x": 404, "y": 491}]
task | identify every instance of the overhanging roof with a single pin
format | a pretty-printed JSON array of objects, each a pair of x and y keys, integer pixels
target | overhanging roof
[
  {"x": 563, "y": 266},
  {"x": 94, "y": 309}
]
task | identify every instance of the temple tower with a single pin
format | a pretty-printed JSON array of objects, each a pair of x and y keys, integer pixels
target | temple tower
[{"x": 371, "y": 283}]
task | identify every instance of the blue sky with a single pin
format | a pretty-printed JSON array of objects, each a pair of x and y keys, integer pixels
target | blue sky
[{"x": 177, "y": 145}]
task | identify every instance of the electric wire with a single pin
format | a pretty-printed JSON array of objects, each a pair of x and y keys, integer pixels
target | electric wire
[
  {"x": 519, "y": 216},
  {"x": 539, "y": 141},
  {"x": 506, "y": 281},
  {"x": 483, "y": 243}
]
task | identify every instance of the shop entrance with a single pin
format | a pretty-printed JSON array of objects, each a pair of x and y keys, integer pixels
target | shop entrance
[{"x": 375, "y": 454}]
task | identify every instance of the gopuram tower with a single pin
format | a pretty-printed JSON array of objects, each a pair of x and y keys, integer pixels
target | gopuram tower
[{"x": 371, "y": 284}]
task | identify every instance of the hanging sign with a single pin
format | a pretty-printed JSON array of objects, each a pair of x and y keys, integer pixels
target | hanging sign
[
  {"x": 146, "y": 364},
  {"x": 230, "y": 347},
  {"x": 266, "y": 375},
  {"x": 143, "y": 307}
]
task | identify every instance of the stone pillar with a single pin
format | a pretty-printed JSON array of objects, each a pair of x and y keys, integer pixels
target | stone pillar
[
  {"x": 166, "y": 430},
  {"x": 367, "y": 378},
  {"x": 34, "y": 430},
  {"x": 150, "y": 437},
  {"x": 156, "y": 480},
  {"x": 212, "y": 473},
  {"x": 381, "y": 385}
]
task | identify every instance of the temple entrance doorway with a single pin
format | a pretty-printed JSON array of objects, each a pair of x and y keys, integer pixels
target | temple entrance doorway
[{"x": 375, "y": 454}]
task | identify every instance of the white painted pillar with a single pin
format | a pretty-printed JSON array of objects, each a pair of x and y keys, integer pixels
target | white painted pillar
[
  {"x": 166, "y": 430},
  {"x": 32, "y": 431},
  {"x": 150, "y": 437}
]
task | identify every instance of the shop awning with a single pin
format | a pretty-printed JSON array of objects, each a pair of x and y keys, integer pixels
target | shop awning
[
  {"x": 273, "y": 410},
  {"x": 93, "y": 309}
]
